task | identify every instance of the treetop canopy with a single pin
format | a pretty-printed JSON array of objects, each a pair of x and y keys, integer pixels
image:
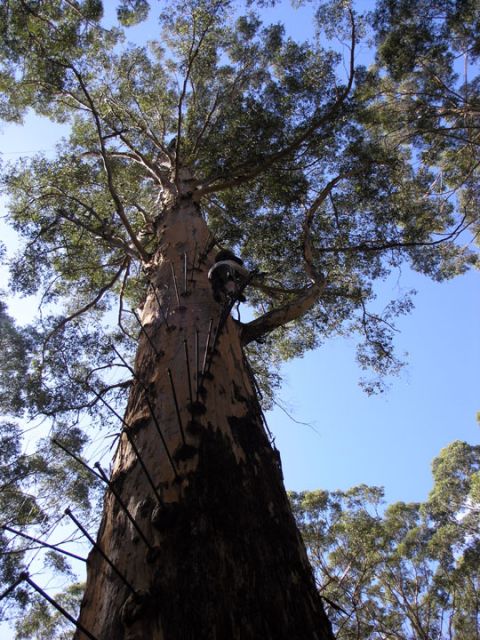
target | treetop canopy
[{"x": 318, "y": 171}]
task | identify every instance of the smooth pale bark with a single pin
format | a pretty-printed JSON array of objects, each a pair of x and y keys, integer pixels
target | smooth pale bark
[{"x": 227, "y": 561}]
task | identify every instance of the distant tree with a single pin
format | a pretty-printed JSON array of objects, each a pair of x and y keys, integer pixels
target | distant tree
[
  {"x": 222, "y": 133},
  {"x": 43, "y": 622},
  {"x": 405, "y": 571}
]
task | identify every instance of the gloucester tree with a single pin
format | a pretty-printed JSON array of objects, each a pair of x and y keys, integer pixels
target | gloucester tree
[{"x": 222, "y": 147}]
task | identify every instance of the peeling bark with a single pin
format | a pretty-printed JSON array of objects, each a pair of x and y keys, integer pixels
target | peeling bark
[{"x": 225, "y": 559}]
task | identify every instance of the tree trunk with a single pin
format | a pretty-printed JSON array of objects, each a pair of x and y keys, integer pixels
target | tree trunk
[{"x": 218, "y": 556}]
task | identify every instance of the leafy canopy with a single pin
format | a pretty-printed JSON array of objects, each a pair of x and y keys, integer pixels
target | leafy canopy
[{"x": 298, "y": 165}]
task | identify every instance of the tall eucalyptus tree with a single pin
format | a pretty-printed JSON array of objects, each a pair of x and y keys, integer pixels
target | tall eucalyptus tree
[{"x": 220, "y": 133}]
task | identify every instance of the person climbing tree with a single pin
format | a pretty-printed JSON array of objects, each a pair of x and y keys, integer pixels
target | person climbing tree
[{"x": 228, "y": 277}]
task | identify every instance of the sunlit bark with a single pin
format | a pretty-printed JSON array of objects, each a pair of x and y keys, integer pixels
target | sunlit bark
[{"x": 225, "y": 558}]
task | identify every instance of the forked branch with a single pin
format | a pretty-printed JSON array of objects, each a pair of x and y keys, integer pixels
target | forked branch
[{"x": 303, "y": 301}]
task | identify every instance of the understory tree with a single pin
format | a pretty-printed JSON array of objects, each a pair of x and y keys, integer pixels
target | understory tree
[
  {"x": 405, "y": 571},
  {"x": 220, "y": 132}
]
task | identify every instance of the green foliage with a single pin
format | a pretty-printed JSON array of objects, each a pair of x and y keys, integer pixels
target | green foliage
[
  {"x": 33, "y": 488},
  {"x": 402, "y": 571},
  {"x": 15, "y": 345},
  {"x": 427, "y": 87},
  {"x": 43, "y": 622},
  {"x": 40, "y": 36},
  {"x": 411, "y": 33},
  {"x": 264, "y": 122},
  {"x": 131, "y": 12}
]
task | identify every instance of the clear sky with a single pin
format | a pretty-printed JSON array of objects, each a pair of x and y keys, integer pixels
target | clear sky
[
  {"x": 389, "y": 439},
  {"x": 351, "y": 438}
]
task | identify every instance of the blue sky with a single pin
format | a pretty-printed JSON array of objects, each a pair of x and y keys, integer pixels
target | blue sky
[{"x": 390, "y": 439}]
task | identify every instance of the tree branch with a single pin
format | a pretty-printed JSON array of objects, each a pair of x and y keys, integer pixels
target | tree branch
[
  {"x": 274, "y": 291},
  {"x": 364, "y": 247},
  {"x": 88, "y": 306},
  {"x": 140, "y": 158},
  {"x": 238, "y": 177},
  {"x": 108, "y": 170},
  {"x": 120, "y": 301},
  {"x": 280, "y": 316},
  {"x": 304, "y": 300},
  {"x": 192, "y": 54},
  {"x": 206, "y": 123},
  {"x": 316, "y": 277},
  {"x": 112, "y": 241}
]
